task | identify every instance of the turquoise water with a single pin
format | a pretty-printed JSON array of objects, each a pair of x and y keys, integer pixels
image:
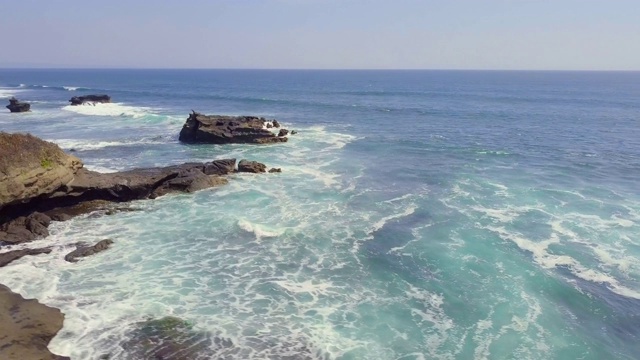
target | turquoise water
[{"x": 419, "y": 215}]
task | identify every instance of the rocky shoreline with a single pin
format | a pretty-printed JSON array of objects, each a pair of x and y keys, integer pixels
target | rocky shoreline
[{"x": 40, "y": 183}]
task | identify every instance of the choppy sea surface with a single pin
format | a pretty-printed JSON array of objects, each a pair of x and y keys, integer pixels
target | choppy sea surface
[{"x": 419, "y": 214}]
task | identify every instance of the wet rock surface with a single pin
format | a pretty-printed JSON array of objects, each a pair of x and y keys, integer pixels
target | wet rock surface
[
  {"x": 220, "y": 129},
  {"x": 26, "y": 328},
  {"x": 251, "y": 166},
  {"x": 84, "y": 251},
  {"x": 91, "y": 99},
  {"x": 17, "y": 106}
]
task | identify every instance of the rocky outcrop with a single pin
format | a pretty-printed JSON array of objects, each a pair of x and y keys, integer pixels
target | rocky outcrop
[
  {"x": 84, "y": 251},
  {"x": 219, "y": 129},
  {"x": 16, "y": 106},
  {"x": 10, "y": 256},
  {"x": 283, "y": 132},
  {"x": 37, "y": 178},
  {"x": 251, "y": 166},
  {"x": 275, "y": 170},
  {"x": 92, "y": 99},
  {"x": 220, "y": 167},
  {"x": 26, "y": 328},
  {"x": 276, "y": 124},
  {"x": 25, "y": 228},
  {"x": 31, "y": 167}
]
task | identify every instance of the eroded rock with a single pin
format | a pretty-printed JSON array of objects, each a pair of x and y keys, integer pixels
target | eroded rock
[
  {"x": 251, "y": 166},
  {"x": 26, "y": 328},
  {"x": 92, "y": 99},
  {"x": 219, "y": 129},
  {"x": 10, "y": 256},
  {"x": 84, "y": 251},
  {"x": 17, "y": 106}
]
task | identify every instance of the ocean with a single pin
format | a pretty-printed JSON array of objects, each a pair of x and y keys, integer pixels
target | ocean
[{"x": 419, "y": 214}]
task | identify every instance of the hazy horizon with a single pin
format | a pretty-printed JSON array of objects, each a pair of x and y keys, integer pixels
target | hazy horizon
[{"x": 576, "y": 35}]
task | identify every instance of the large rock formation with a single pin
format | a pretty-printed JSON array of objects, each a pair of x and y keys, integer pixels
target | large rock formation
[
  {"x": 218, "y": 129},
  {"x": 26, "y": 328},
  {"x": 16, "y": 106},
  {"x": 37, "y": 176},
  {"x": 92, "y": 99},
  {"x": 31, "y": 167}
]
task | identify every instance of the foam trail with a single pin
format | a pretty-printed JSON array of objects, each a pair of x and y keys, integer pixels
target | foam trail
[{"x": 109, "y": 109}]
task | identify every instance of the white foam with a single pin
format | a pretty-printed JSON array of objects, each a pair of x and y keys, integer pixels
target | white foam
[
  {"x": 82, "y": 145},
  {"x": 260, "y": 231},
  {"x": 109, "y": 109},
  {"x": 543, "y": 257},
  {"x": 7, "y": 93}
]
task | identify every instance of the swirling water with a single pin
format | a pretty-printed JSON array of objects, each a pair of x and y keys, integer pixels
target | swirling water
[{"x": 419, "y": 215}]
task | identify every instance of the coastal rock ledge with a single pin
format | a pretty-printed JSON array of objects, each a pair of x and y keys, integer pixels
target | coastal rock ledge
[
  {"x": 26, "y": 328},
  {"x": 39, "y": 182},
  {"x": 220, "y": 129}
]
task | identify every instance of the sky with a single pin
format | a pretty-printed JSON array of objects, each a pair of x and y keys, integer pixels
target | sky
[{"x": 323, "y": 34}]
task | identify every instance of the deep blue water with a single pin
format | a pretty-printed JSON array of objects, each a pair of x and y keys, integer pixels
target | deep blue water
[{"x": 419, "y": 215}]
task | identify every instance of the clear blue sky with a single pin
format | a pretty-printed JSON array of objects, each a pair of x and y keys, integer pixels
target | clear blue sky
[{"x": 397, "y": 34}]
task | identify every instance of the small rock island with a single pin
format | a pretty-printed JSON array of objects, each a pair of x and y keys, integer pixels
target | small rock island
[
  {"x": 17, "y": 106},
  {"x": 221, "y": 129}
]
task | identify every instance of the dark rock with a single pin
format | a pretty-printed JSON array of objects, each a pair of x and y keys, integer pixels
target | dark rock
[
  {"x": 275, "y": 170},
  {"x": 84, "y": 251},
  {"x": 251, "y": 166},
  {"x": 92, "y": 99},
  {"x": 171, "y": 338},
  {"x": 16, "y": 106},
  {"x": 276, "y": 124},
  {"x": 10, "y": 256},
  {"x": 293, "y": 132},
  {"x": 25, "y": 228},
  {"x": 269, "y": 125},
  {"x": 220, "y": 167},
  {"x": 283, "y": 132},
  {"x": 218, "y": 129},
  {"x": 27, "y": 327}
]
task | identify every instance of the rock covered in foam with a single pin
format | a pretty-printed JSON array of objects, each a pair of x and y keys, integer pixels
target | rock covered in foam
[
  {"x": 16, "y": 106},
  {"x": 91, "y": 99},
  {"x": 219, "y": 129},
  {"x": 84, "y": 251}
]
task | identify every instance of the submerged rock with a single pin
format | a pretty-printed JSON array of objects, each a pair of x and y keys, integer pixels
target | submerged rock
[
  {"x": 92, "y": 99},
  {"x": 251, "y": 166},
  {"x": 171, "y": 338},
  {"x": 293, "y": 132},
  {"x": 219, "y": 129},
  {"x": 275, "y": 170},
  {"x": 16, "y": 106},
  {"x": 84, "y": 251}
]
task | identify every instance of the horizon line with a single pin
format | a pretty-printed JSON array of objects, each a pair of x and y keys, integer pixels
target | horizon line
[{"x": 318, "y": 69}]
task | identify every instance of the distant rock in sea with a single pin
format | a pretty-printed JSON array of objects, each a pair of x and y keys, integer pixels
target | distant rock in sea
[
  {"x": 16, "y": 106},
  {"x": 219, "y": 129},
  {"x": 92, "y": 99}
]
